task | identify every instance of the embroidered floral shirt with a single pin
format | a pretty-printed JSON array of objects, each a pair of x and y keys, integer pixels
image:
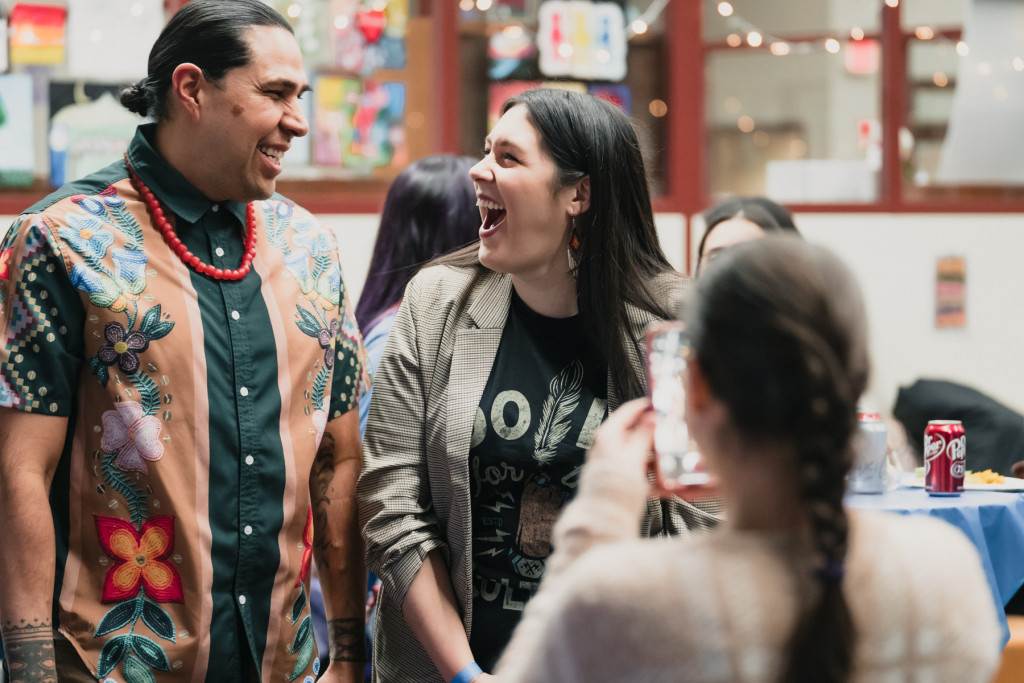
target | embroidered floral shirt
[{"x": 195, "y": 407}]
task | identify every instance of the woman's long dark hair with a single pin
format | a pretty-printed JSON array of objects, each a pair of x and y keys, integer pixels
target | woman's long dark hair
[
  {"x": 778, "y": 329},
  {"x": 619, "y": 247},
  {"x": 430, "y": 210},
  {"x": 207, "y": 33}
]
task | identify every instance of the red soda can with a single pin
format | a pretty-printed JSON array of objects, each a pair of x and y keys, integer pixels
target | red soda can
[{"x": 945, "y": 457}]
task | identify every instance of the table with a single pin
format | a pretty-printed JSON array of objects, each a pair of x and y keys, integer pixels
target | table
[{"x": 992, "y": 520}]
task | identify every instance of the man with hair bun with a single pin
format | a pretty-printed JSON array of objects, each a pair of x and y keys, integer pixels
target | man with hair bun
[{"x": 179, "y": 377}]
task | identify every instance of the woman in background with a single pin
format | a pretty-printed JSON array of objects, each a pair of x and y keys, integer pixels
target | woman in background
[
  {"x": 740, "y": 219},
  {"x": 501, "y": 363},
  {"x": 791, "y": 588},
  {"x": 430, "y": 210}
]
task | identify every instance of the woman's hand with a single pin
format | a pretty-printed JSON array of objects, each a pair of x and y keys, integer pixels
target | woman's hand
[{"x": 626, "y": 437}]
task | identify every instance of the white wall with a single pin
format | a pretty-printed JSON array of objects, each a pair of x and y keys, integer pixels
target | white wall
[{"x": 894, "y": 257}]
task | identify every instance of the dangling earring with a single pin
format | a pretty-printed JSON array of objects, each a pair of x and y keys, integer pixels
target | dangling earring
[{"x": 573, "y": 251}]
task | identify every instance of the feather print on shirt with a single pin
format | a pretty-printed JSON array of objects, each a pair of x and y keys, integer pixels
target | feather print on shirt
[{"x": 554, "y": 424}]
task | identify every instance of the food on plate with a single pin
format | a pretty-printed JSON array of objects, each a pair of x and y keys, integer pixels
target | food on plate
[{"x": 985, "y": 477}]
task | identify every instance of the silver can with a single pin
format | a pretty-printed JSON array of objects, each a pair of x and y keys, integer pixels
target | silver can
[{"x": 870, "y": 450}]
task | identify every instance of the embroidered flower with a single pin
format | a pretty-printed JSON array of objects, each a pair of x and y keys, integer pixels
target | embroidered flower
[
  {"x": 328, "y": 338},
  {"x": 284, "y": 209},
  {"x": 134, "y": 435},
  {"x": 130, "y": 271},
  {"x": 307, "y": 549},
  {"x": 102, "y": 290},
  {"x": 319, "y": 417},
  {"x": 140, "y": 558},
  {"x": 297, "y": 263},
  {"x": 329, "y": 287},
  {"x": 5, "y": 263},
  {"x": 122, "y": 347},
  {"x": 86, "y": 235},
  {"x": 110, "y": 197},
  {"x": 312, "y": 237},
  {"x": 89, "y": 204}
]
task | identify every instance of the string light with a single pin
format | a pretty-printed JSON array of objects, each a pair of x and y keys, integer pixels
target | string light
[
  {"x": 924, "y": 32},
  {"x": 1018, "y": 64},
  {"x": 857, "y": 33},
  {"x": 294, "y": 10},
  {"x": 779, "y": 48},
  {"x": 892, "y": 3},
  {"x": 962, "y": 49},
  {"x": 734, "y": 40},
  {"x": 466, "y": 5},
  {"x": 832, "y": 45},
  {"x": 745, "y": 123},
  {"x": 725, "y": 9},
  {"x": 754, "y": 39},
  {"x": 483, "y": 5},
  {"x": 639, "y": 26},
  {"x": 940, "y": 79}
]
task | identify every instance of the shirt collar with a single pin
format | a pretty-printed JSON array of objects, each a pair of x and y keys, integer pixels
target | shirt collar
[{"x": 167, "y": 183}]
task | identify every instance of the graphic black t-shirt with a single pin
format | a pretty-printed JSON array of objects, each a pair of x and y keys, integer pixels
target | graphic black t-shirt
[{"x": 543, "y": 401}]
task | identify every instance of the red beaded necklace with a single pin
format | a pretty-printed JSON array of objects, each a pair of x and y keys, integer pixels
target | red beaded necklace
[{"x": 179, "y": 248}]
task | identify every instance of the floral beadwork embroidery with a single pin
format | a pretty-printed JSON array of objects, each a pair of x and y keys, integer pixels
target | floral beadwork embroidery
[{"x": 141, "y": 575}]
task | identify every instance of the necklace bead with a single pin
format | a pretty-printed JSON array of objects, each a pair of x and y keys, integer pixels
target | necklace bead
[{"x": 179, "y": 248}]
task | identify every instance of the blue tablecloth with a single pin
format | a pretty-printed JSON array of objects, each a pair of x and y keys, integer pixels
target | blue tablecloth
[{"x": 994, "y": 521}]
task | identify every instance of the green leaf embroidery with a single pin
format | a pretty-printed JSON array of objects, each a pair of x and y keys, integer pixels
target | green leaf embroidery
[
  {"x": 137, "y": 672},
  {"x": 161, "y": 329},
  {"x": 151, "y": 653},
  {"x": 308, "y": 324},
  {"x": 151, "y": 318},
  {"x": 302, "y": 635},
  {"x": 297, "y": 606},
  {"x": 305, "y": 654},
  {"x": 158, "y": 621},
  {"x": 116, "y": 619},
  {"x": 111, "y": 654}
]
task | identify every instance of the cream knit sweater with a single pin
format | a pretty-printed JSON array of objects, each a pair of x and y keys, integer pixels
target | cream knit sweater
[{"x": 720, "y": 607}]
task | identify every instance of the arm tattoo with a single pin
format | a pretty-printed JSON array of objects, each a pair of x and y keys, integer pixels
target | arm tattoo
[
  {"x": 347, "y": 640},
  {"x": 28, "y": 648},
  {"x": 322, "y": 484}
]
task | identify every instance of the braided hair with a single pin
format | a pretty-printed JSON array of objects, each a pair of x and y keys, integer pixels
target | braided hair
[{"x": 778, "y": 328}]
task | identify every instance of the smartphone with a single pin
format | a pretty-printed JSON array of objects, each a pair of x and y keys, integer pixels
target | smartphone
[{"x": 678, "y": 466}]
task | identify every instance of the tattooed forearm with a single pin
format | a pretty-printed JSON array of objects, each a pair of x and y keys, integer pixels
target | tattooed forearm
[
  {"x": 322, "y": 474},
  {"x": 347, "y": 639},
  {"x": 28, "y": 648}
]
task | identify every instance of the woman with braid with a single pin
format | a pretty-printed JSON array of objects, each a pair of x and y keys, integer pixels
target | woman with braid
[{"x": 792, "y": 587}]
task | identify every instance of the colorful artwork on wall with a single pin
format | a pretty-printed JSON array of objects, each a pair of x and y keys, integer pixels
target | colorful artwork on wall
[
  {"x": 18, "y": 160},
  {"x": 37, "y": 33},
  {"x": 358, "y": 124}
]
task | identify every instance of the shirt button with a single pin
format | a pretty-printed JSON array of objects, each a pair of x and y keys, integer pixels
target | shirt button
[
  {"x": 235, "y": 315},
  {"x": 241, "y": 599},
  {"x": 249, "y": 460},
  {"x": 216, "y": 208},
  {"x": 247, "y": 530},
  {"x": 218, "y": 251},
  {"x": 243, "y": 391}
]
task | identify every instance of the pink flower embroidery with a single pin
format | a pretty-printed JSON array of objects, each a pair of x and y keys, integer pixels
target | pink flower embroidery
[
  {"x": 133, "y": 434},
  {"x": 5, "y": 263}
]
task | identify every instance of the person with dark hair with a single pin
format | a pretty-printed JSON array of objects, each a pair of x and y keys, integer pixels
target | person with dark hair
[
  {"x": 740, "y": 219},
  {"x": 791, "y": 588},
  {"x": 179, "y": 374},
  {"x": 428, "y": 212},
  {"x": 502, "y": 361}
]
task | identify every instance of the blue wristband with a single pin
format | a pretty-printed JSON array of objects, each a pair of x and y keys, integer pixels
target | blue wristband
[{"x": 468, "y": 673}]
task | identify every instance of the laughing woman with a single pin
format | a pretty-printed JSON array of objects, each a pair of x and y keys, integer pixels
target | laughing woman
[{"x": 503, "y": 360}]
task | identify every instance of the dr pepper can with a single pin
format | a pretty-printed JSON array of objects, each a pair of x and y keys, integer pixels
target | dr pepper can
[{"x": 945, "y": 458}]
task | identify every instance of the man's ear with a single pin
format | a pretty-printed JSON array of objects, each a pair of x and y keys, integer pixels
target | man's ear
[
  {"x": 581, "y": 197},
  {"x": 186, "y": 83}
]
